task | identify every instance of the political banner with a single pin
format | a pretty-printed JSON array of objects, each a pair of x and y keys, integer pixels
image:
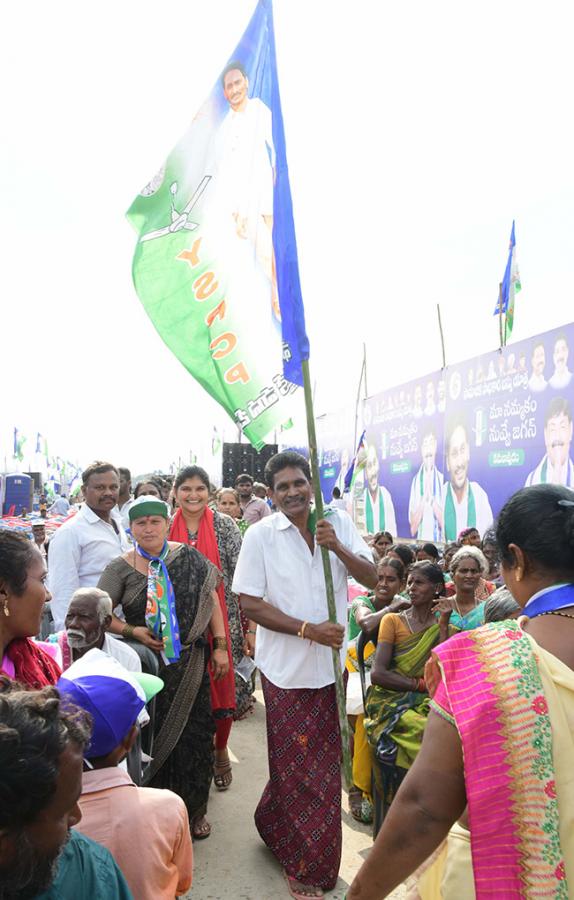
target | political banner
[
  {"x": 215, "y": 264},
  {"x": 444, "y": 452}
]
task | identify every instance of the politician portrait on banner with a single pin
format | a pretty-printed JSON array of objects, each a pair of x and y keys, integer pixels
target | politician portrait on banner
[
  {"x": 425, "y": 500},
  {"x": 556, "y": 466}
]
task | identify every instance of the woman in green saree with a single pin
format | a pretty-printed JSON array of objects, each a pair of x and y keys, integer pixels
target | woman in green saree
[{"x": 397, "y": 702}]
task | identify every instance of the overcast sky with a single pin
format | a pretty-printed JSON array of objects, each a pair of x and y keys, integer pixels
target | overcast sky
[{"x": 415, "y": 134}]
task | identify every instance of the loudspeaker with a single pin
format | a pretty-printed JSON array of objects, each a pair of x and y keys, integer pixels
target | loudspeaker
[{"x": 239, "y": 458}]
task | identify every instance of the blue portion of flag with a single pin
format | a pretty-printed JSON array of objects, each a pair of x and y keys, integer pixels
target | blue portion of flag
[
  {"x": 351, "y": 470},
  {"x": 257, "y": 52},
  {"x": 505, "y": 293}
]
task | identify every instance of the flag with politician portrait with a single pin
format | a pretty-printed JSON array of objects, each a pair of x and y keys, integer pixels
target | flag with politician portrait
[{"x": 215, "y": 264}]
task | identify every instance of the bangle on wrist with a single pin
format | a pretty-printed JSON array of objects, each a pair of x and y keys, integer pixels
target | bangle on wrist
[
  {"x": 422, "y": 685},
  {"x": 128, "y": 631},
  {"x": 219, "y": 643},
  {"x": 301, "y": 632},
  {"x": 251, "y": 631}
]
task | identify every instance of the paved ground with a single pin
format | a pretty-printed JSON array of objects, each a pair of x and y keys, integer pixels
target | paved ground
[{"x": 234, "y": 864}]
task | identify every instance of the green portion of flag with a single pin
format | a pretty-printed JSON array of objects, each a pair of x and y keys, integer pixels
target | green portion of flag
[
  {"x": 515, "y": 287},
  {"x": 183, "y": 288}
]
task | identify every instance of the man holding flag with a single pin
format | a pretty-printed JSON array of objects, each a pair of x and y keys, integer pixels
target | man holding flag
[
  {"x": 205, "y": 280},
  {"x": 299, "y": 814}
]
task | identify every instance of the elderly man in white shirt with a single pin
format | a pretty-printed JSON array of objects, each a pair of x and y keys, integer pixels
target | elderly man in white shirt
[
  {"x": 87, "y": 620},
  {"x": 81, "y": 549},
  {"x": 280, "y": 580}
]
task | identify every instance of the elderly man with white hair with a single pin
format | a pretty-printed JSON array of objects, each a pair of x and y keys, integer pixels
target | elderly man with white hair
[{"x": 88, "y": 617}]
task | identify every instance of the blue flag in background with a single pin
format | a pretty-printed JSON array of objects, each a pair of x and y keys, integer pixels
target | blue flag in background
[
  {"x": 509, "y": 288},
  {"x": 507, "y": 277},
  {"x": 349, "y": 476}
]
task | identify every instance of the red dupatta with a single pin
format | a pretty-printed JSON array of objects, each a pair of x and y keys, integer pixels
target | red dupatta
[
  {"x": 222, "y": 691},
  {"x": 32, "y": 665}
]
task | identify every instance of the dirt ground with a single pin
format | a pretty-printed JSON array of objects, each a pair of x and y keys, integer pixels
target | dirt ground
[{"x": 234, "y": 864}]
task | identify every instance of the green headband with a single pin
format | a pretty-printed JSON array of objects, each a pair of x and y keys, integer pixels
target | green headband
[{"x": 148, "y": 506}]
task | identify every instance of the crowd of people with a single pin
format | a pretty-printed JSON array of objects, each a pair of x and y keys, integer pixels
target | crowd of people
[{"x": 117, "y": 709}]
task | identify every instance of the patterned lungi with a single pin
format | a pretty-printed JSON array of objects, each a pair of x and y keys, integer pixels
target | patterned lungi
[{"x": 299, "y": 814}]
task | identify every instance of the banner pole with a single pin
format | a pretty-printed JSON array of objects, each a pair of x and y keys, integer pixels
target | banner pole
[
  {"x": 363, "y": 373},
  {"x": 339, "y": 688},
  {"x": 441, "y": 336}
]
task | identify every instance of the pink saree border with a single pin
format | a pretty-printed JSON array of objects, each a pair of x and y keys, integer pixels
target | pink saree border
[{"x": 496, "y": 697}]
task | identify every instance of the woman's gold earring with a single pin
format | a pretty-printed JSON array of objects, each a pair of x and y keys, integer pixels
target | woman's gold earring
[
  {"x": 5, "y": 609},
  {"x": 518, "y": 574}
]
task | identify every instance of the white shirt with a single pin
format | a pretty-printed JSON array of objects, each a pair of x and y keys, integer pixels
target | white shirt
[
  {"x": 429, "y": 528},
  {"x": 60, "y": 507},
  {"x": 390, "y": 523},
  {"x": 560, "y": 380},
  {"x": 275, "y": 563},
  {"x": 481, "y": 504},
  {"x": 245, "y": 157},
  {"x": 537, "y": 383},
  {"x": 79, "y": 552},
  {"x": 124, "y": 510},
  {"x": 545, "y": 473},
  {"x": 338, "y": 503},
  {"x": 121, "y": 651}
]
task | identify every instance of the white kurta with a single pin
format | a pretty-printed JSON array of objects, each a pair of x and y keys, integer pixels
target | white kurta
[{"x": 275, "y": 563}]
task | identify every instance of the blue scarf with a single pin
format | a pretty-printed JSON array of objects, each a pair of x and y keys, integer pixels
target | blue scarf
[
  {"x": 559, "y": 596},
  {"x": 160, "y": 614}
]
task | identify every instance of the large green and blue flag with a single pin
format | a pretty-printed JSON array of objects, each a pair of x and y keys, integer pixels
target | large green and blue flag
[{"x": 215, "y": 264}]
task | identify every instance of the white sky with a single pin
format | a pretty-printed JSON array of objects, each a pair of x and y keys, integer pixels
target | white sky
[{"x": 415, "y": 133}]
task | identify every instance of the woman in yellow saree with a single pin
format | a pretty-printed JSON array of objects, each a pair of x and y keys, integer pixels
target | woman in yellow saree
[
  {"x": 500, "y": 738},
  {"x": 397, "y": 702}
]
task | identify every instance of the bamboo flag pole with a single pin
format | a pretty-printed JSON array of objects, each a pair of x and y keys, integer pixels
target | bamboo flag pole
[{"x": 341, "y": 702}]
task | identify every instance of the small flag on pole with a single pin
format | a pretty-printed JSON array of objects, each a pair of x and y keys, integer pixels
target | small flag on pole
[
  {"x": 215, "y": 442},
  {"x": 19, "y": 442},
  {"x": 215, "y": 264},
  {"x": 350, "y": 473},
  {"x": 510, "y": 287}
]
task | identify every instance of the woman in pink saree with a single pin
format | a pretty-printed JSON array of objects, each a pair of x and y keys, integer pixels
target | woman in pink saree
[{"x": 500, "y": 736}]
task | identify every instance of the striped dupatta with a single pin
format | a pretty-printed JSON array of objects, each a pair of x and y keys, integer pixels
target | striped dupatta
[{"x": 493, "y": 692}]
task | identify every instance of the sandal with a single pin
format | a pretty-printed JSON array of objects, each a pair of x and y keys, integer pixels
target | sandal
[
  {"x": 302, "y": 891},
  {"x": 200, "y": 829},
  {"x": 222, "y": 775},
  {"x": 356, "y": 803}
]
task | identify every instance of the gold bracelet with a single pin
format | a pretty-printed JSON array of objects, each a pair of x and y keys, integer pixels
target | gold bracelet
[
  {"x": 219, "y": 643},
  {"x": 301, "y": 632},
  {"x": 128, "y": 631}
]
